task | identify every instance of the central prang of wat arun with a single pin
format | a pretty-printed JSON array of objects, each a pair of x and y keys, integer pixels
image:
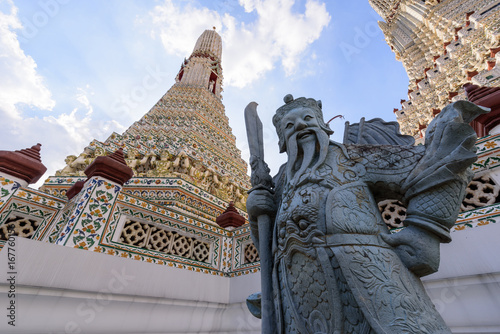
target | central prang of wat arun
[
  {"x": 185, "y": 135},
  {"x": 170, "y": 190}
]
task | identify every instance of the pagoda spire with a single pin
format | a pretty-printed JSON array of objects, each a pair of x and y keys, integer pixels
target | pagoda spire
[
  {"x": 186, "y": 134},
  {"x": 203, "y": 67}
]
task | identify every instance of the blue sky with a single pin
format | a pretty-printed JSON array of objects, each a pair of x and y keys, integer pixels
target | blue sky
[{"x": 74, "y": 70}]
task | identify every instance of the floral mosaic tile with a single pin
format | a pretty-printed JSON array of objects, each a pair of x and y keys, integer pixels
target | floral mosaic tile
[
  {"x": 60, "y": 221},
  {"x": 222, "y": 241},
  {"x": 94, "y": 206},
  {"x": 40, "y": 198},
  {"x": 479, "y": 217},
  {"x": 167, "y": 189},
  {"x": 488, "y": 151},
  {"x": 7, "y": 188}
]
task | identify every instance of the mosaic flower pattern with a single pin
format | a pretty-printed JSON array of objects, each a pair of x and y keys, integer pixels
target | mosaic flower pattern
[
  {"x": 93, "y": 208},
  {"x": 7, "y": 189},
  {"x": 488, "y": 151}
]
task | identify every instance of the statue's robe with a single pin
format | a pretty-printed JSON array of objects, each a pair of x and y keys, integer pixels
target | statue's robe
[{"x": 332, "y": 272}]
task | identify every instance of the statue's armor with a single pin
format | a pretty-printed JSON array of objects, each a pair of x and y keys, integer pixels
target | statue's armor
[{"x": 333, "y": 273}]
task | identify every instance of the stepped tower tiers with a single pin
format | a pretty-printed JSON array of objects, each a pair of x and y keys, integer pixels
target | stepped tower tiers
[
  {"x": 185, "y": 137},
  {"x": 442, "y": 45}
]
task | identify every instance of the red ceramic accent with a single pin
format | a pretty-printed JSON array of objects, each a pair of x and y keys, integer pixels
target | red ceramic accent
[
  {"x": 486, "y": 97},
  {"x": 452, "y": 95},
  {"x": 494, "y": 51},
  {"x": 230, "y": 218},
  {"x": 112, "y": 167},
  {"x": 470, "y": 74},
  {"x": 75, "y": 189},
  {"x": 24, "y": 164},
  {"x": 467, "y": 16}
]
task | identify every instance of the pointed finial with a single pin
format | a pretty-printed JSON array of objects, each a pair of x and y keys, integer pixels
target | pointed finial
[
  {"x": 33, "y": 152},
  {"x": 118, "y": 156},
  {"x": 288, "y": 98},
  {"x": 112, "y": 167},
  {"x": 210, "y": 43},
  {"x": 230, "y": 217},
  {"x": 24, "y": 164}
]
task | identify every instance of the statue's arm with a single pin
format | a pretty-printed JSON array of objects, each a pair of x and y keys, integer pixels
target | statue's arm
[
  {"x": 435, "y": 188},
  {"x": 386, "y": 168},
  {"x": 430, "y": 180}
]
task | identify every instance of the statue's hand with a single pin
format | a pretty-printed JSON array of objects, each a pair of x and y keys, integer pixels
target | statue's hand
[
  {"x": 260, "y": 202},
  {"x": 417, "y": 248}
]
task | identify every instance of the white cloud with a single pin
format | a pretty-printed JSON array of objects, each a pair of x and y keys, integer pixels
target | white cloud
[
  {"x": 277, "y": 35},
  {"x": 20, "y": 81},
  {"x": 178, "y": 28},
  {"x": 61, "y": 134},
  {"x": 79, "y": 125}
]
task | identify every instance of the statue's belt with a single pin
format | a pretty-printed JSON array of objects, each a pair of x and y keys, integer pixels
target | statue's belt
[
  {"x": 335, "y": 240},
  {"x": 341, "y": 240}
]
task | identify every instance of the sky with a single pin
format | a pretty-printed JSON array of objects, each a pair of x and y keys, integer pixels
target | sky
[{"x": 72, "y": 71}]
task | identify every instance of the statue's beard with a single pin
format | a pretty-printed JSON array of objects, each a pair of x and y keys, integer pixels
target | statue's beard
[{"x": 310, "y": 154}]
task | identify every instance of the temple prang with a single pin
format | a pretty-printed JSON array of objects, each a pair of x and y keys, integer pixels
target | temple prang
[
  {"x": 170, "y": 190},
  {"x": 443, "y": 45}
]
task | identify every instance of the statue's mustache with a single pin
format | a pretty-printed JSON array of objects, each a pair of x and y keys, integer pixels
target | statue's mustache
[
  {"x": 308, "y": 156},
  {"x": 301, "y": 134}
]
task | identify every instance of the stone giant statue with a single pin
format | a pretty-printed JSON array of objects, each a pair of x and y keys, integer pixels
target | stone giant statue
[{"x": 329, "y": 262}]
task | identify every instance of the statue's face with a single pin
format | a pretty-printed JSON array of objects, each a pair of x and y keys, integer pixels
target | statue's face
[
  {"x": 306, "y": 142},
  {"x": 301, "y": 121}
]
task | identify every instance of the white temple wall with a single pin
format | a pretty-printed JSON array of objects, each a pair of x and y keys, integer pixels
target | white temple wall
[
  {"x": 466, "y": 289},
  {"x": 65, "y": 290}
]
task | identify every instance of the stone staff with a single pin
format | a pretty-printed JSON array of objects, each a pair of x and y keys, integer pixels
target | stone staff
[{"x": 261, "y": 179}]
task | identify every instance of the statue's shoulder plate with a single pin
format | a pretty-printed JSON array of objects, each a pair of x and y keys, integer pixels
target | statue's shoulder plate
[{"x": 386, "y": 158}]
